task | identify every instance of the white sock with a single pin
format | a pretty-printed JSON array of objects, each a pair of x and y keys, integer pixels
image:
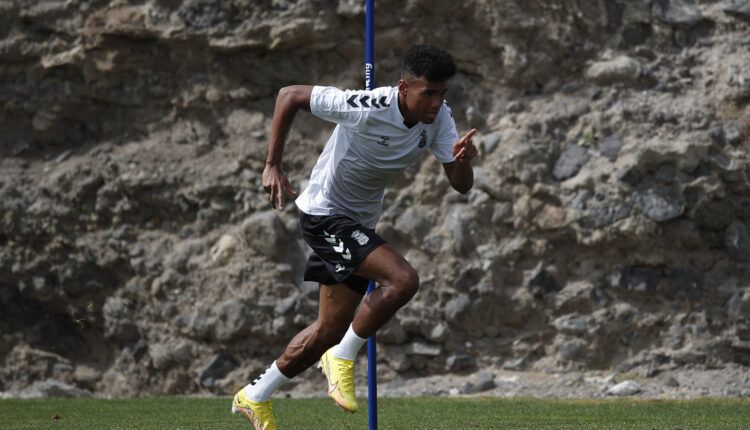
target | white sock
[
  {"x": 268, "y": 382},
  {"x": 349, "y": 346}
]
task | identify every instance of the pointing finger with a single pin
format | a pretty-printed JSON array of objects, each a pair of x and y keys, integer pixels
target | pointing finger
[{"x": 468, "y": 135}]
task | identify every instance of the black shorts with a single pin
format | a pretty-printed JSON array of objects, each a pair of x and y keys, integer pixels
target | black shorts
[{"x": 339, "y": 246}]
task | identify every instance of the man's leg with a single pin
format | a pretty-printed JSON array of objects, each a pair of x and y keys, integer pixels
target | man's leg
[
  {"x": 398, "y": 283},
  {"x": 335, "y": 310}
]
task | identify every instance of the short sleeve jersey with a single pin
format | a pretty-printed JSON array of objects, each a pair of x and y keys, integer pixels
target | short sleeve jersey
[{"x": 369, "y": 146}]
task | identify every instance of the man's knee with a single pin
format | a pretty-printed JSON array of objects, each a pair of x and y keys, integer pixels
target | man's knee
[{"x": 405, "y": 283}]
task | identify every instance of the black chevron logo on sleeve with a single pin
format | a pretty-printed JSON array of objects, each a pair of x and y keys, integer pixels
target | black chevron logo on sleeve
[
  {"x": 352, "y": 101},
  {"x": 365, "y": 102}
]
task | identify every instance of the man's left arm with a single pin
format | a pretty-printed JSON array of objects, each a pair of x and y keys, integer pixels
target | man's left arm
[{"x": 459, "y": 171}]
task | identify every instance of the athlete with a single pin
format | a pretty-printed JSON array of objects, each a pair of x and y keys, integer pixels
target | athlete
[{"x": 378, "y": 134}]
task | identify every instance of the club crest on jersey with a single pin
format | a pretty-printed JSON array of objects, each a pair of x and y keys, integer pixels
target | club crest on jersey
[
  {"x": 340, "y": 267},
  {"x": 422, "y": 138},
  {"x": 360, "y": 237}
]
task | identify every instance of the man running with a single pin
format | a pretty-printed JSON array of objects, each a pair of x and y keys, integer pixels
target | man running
[{"x": 378, "y": 134}]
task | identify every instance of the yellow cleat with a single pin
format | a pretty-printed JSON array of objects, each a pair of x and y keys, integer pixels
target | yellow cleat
[
  {"x": 340, "y": 375},
  {"x": 259, "y": 414}
]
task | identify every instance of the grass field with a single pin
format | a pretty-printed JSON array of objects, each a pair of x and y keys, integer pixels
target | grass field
[{"x": 409, "y": 413}]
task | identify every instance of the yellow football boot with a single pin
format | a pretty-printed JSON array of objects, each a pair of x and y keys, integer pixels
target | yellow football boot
[
  {"x": 259, "y": 414},
  {"x": 340, "y": 375}
]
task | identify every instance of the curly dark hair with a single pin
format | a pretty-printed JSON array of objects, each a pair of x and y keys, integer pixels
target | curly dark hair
[{"x": 430, "y": 62}]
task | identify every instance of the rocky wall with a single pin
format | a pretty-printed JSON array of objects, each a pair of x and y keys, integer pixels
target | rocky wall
[{"x": 607, "y": 229}]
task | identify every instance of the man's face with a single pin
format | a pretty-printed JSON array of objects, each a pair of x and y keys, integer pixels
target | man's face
[{"x": 423, "y": 98}]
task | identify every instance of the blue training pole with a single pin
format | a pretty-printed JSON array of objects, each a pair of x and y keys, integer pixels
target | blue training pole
[
  {"x": 372, "y": 377},
  {"x": 372, "y": 366}
]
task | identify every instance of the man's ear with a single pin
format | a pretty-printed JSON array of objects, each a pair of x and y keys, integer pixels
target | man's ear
[{"x": 402, "y": 87}]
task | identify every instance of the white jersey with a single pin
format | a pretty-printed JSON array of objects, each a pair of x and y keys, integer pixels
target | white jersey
[{"x": 369, "y": 146}]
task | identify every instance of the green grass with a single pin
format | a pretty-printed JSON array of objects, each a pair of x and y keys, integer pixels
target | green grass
[{"x": 410, "y": 413}]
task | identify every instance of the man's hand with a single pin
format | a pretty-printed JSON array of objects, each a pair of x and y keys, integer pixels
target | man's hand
[
  {"x": 464, "y": 150},
  {"x": 276, "y": 184}
]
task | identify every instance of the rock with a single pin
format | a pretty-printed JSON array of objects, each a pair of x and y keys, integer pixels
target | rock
[
  {"x": 660, "y": 205},
  {"x": 737, "y": 241},
  {"x": 490, "y": 141},
  {"x": 266, "y": 233},
  {"x": 610, "y": 146},
  {"x": 689, "y": 354},
  {"x": 233, "y": 320},
  {"x": 570, "y": 162},
  {"x": 86, "y": 376},
  {"x": 243, "y": 123},
  {"x": 636, "y": 278},
  {"x": 733, "y": 132},
  {"x": 717, "y": 136},
  {"x": 39, "y": 288},
  {"x": 734, "y": 79},
  {"x": 398, "y": 360},
  {"x": 183, "y": 253},
  {"x": 671, "y": 382},
  {"x": 456, "y": 307},
  {"x": 625, "y": 388},
  {"x": 738, "y": 9},
  {"x": 741, "y": 345},
  {"x": 439, "y": 333},
  {"x": 483, "y": 381},
  {"x": 457, "y": 226},
  {"x": 218, "y": 366},
  {"x": 576, "y": 296},
  {"x": 515, "y": 106},
  {"x": 419, "y": 348},
  {"x": 622, "y": 69},
  {"x": 677, "y": 12},
  {"x": 224, "y": 248},
  {"x": 285, "y": 305},
  {"x": 165, "y": 356},
  {"x": 161, "y": 356},
  {"x": 393, "y": 333},
  {"x": 350, "y": 8},
  {"x": 412, "y": 226},
  {"x": 200, "y": 14},
  {"x": 118, "y": 319},
  {"x": 515, "y": 364},
  {"x": 539, "y": 282},
  {"x": 738, "y": 305},
  {"x": 569, "y": 348},
  {"x": 111, "y": 219},
  {"x": 602, "y": 215},
  {"x": 572, "y": 324},
  {"x": 51, "y": 388},
  {"x": 459, "y": 362}
]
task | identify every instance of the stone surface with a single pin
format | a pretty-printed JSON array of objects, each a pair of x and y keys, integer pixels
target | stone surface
[
  {"x": 570, "y": 162},
  {"x": 610, "y": 146},
  {"x": 622, "y": 69},
  {"x": 625, "y": 388},
  {"x": 738, "y": 8},
  {"x": 51, "y": 388},
  {"x": 607, "y": 226},
  {"x": 677, "y": 12}
]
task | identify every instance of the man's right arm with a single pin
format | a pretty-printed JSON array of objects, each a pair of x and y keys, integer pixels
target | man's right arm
[{"x": 289, "y": 101}]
